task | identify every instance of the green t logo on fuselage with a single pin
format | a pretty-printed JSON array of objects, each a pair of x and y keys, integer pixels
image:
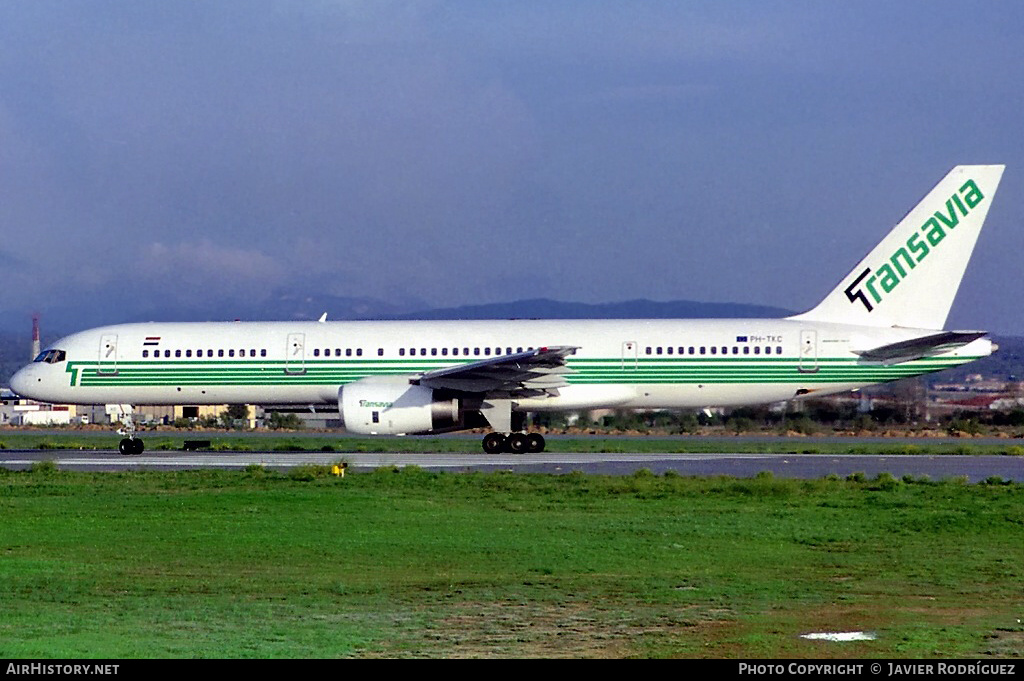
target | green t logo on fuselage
[{"x": 883, "y": 279}]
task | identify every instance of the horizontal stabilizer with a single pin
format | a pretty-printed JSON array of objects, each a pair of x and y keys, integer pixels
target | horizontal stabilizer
[{"x": 916, "y": 348}]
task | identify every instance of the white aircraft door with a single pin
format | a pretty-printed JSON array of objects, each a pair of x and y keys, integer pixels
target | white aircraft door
[
  {"x": 629, "y": 355},
  {"x": 808, "y": 351},
  {"x": 295, "y": 354},
  {"x": 108, "y": 355}
]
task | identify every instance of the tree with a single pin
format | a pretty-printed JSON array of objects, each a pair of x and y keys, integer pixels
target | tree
[
  {"x": 234, "y": 414},
  {"x": 278, "y": 421}
]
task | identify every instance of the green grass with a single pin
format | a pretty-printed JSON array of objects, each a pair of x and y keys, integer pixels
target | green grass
[
  {"x": 407, "y": 563},
  {"x": 342, "y": 443}
]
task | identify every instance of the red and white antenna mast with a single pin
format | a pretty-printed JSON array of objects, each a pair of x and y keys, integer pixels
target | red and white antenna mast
[{"x": 35, "y": 336}]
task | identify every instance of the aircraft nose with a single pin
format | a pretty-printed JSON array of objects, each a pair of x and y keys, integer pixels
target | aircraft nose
[{"x": 22, "y": 380}]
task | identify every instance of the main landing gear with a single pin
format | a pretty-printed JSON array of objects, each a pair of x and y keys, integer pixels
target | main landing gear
[{"x": 515, "y": 443}]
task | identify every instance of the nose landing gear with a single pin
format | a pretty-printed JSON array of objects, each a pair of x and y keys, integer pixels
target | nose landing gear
[{"x": 130, "y": 445}]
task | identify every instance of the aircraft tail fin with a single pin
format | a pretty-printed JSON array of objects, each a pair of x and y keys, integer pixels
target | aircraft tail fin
[{"x": 912, "y": 275}]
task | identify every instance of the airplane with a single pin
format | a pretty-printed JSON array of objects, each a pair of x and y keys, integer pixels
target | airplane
[{"x": 884, "y": 321}]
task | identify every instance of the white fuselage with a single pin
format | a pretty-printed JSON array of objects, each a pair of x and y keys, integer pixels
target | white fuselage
[{"x": 643, "y": 364}]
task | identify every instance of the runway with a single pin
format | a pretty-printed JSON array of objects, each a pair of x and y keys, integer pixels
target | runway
[{"x": 805, "y": 466}]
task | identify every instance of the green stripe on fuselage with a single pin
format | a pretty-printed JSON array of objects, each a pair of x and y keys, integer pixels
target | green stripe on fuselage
[{"x": 585, "y": 371}]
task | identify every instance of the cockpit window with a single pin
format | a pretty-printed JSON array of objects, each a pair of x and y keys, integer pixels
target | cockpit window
[{"x": 51, "y": 356}]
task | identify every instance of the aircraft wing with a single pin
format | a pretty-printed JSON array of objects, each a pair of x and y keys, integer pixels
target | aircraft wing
[
  {"x": 532, "y": 373},
  {"x": 916, "y": 348}
]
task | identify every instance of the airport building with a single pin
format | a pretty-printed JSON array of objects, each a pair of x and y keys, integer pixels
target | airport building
[{"x": 15, "y": 411}]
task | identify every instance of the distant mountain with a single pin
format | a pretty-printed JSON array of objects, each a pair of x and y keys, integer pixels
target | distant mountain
[
  {"x": 543, "y": 308},
  {"x": 67, "y": 318},
  {"x": 61, "y": 319}
]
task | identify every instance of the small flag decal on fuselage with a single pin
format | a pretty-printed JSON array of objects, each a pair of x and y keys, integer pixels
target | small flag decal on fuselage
[
  {"x": 152, "y": 340},
  {"x": 741, "y": 339}
]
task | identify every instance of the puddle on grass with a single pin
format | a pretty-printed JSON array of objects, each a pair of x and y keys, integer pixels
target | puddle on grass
[{"x": 840, "y": 636}]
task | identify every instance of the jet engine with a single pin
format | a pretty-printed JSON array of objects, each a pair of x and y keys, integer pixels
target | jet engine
[{"x": 382, "y": 405}]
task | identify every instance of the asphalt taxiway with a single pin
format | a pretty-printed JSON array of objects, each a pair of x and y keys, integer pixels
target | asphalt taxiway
[{"x": 975, "y": 468}]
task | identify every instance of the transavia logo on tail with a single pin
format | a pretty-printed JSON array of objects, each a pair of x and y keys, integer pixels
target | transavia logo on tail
[{"x": 883, "y": 279}]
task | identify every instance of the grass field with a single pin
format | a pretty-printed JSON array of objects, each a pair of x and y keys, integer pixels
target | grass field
[
  {"x": 407, "y": 563},
  {"x": 342, "y": 443}
]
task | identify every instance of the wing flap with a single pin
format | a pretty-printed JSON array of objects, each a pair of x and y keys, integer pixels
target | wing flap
[{"x": 521, "y": 374}]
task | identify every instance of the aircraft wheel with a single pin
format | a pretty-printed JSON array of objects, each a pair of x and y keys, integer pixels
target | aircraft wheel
[
  {"x": 516, "y": 443},
  {"x": 494, "y": 443},
  {"x": 128, "y": 446},
  {"x": 535, "y": 443}
]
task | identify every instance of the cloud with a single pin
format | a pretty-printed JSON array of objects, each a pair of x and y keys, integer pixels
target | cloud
[
  {"x": 10, "y": 262},
  {"x": 206, "y": 269}
]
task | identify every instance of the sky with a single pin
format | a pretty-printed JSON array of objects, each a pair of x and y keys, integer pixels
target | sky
[{"x": 450, "y": 153}]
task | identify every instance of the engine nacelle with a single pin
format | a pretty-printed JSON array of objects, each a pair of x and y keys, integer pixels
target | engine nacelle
[{"x": 383, "y": 405}]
